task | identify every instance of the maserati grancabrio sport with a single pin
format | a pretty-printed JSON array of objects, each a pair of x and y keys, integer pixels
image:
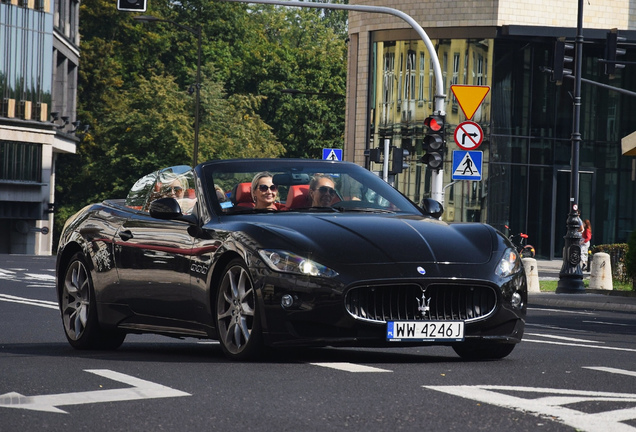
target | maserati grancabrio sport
[{"x": 269, "y": 253}]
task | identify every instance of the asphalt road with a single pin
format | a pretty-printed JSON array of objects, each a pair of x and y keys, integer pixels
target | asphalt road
[{"x": 574, "y": 370}]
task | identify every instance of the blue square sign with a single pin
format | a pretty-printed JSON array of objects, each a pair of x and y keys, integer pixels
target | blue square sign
[
  {"x": 334, "y": 154},
  {"x": 467, "y": 165}
]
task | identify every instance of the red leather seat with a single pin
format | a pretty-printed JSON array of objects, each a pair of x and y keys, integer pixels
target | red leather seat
[
  {"x": 298, "y": 197},
  {"x": 243, "y": 196}
]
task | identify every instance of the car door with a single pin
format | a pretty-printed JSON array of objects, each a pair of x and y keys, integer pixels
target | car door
[{"x": 153, "y": 262}]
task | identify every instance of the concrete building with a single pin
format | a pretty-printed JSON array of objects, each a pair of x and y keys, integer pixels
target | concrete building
[
  {"x": 39, "y": 56},
  {"x": 527, "y": 119}
]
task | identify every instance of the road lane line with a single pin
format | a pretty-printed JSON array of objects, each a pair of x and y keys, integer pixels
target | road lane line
[
  {"x": 31, "y": 302},
  {"x": 611, "y": 370},
  {"x": 562, "y": 338},
  {"x": 607, "y": 323},
  {"x": 561, "y": 311},
  {"x": 580, "y": 345},
  {"x": 350, "y": 367}
]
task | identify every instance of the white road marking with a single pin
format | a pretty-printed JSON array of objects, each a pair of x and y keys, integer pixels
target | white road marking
[
  {"x": 607, "y": 323},
  {"x": 40, "y": 277},
  {"x": 350, "y": 367},
  {"x": 557, "y": 328},
  {"x": 561, "y": 338},
  {"x": 32, "y": 302},
  {"x": 611, "y": 370},
  {"x": 141, "y": 389},
  {"x": 562, "y": 311},
  {"x": 580, "y": 345},
  {"x": 553, "y": 405}
]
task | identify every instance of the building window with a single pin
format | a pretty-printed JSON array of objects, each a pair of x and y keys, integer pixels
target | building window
[
  {"x": 20, "y": 161},
  {"x": 420, "y": 89},
  {"x": 387, "y": 94}
]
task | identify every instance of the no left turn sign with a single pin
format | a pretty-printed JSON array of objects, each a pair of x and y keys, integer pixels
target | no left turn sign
[{"x": 468, "y": 135}]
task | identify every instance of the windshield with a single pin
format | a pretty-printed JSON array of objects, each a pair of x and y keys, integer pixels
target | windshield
[{"x": 252, "y": 186}]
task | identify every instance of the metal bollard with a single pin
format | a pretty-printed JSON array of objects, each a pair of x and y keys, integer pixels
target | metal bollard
[
  {"x": 532, "y": 274},
  {"x": 601, "y": 272}
]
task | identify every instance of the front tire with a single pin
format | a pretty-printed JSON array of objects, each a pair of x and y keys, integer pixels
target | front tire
[
  {"x": 484, "y": 350},
  {"x": 237, "y": 317},
  {"x": 79, "y": 310}
]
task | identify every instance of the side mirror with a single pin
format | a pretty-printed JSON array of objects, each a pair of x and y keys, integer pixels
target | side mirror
[
  {"x": 432, "y": 208},
  {"x": 165, "y": 208}
]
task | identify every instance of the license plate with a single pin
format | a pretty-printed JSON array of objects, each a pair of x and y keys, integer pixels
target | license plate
[{"x": 425, "y": 331}]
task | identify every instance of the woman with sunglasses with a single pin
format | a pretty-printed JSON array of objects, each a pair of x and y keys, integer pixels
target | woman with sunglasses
[
  {"x": 321, "y": 190},
  {"x": 264, "y": 191}
]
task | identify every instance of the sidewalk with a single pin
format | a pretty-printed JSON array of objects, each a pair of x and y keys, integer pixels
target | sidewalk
[{"x": 618, "y": 301}]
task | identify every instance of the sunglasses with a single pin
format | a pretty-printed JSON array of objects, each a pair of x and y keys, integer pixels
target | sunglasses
[
  {"x": 175, "y": 189},
  {"x": 265, "y": 188},
  {"x": 326, "y": 189}
]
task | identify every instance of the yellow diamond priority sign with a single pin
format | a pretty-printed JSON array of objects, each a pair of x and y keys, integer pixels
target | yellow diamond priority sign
[{"x": 469, "y": 97}]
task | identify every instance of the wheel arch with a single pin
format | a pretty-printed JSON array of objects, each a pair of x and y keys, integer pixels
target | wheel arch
[{"x": 63, "y": 260}]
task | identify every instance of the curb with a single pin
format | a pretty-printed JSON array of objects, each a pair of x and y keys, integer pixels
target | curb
[{"x": 589, "y": 301}]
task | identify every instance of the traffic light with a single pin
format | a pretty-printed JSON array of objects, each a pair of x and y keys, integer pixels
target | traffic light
[
  {"x": 375, "y": 154},
  {"x": 561, "y": 60},
  {"x": 131, "y": 5},
  {"x": 612, "y": 51},
  {"x": 397, "y": 163},
  {"x": 434, "y": 142}
]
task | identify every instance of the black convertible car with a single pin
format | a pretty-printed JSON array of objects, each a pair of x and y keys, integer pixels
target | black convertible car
[{"x": 280, "y": 252}]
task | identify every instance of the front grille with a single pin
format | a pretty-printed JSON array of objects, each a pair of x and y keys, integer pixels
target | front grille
[{"x": 411, "y": 302}]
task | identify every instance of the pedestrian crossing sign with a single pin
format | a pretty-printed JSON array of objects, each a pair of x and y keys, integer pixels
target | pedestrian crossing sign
[
  {"x": 332, "y": 154},
  {"x": 467, "y": 165}
]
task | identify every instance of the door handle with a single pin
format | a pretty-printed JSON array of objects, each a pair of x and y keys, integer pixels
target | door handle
[{"x": 125, "y": 235}]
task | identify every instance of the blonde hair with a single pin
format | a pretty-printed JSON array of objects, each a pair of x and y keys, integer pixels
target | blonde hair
[{"x": 257, "y": 178}]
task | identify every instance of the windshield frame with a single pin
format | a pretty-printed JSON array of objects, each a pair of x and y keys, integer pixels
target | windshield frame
[{"x": 291, "y": 172}]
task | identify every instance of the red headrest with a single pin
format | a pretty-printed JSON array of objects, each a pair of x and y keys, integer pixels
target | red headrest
[
  {"x": 298, "y": 197},
  {"x": 244, "y": 194}
]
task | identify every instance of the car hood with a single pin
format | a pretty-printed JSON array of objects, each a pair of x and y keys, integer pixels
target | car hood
[{"x": 369, "y": 239}]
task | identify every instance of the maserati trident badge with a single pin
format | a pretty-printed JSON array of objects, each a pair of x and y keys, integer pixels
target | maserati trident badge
[{"x": 423, "y": 305}]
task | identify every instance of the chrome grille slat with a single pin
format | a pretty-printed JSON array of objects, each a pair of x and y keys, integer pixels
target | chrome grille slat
[{"x": 384, "y": 303}]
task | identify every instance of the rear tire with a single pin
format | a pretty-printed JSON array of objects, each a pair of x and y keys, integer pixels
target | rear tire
[
  {"x": 484, "y": 350},
  {"x": 237, "y": 315},
  {"x": 79, "y": 310}
]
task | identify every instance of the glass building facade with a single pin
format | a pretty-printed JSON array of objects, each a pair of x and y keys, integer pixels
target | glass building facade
[
  {"x": 527, "y": 121},
  {"x": 25, "y": 59},
  {"x": 39, "y": 55}
]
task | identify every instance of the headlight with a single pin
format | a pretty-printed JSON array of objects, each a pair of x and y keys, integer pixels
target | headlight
[
  {"x": 510, "y": 263},
  {"x": 287, "y": 262}
]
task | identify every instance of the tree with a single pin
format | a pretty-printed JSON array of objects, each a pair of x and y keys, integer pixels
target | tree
[{"x": 134, "y": 80}]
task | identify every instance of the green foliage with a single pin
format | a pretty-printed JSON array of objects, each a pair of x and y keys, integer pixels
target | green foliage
[
  {"x": 134, "y": 79},
  {"x": 617, "y": 254},
  {"x": 630, "y": 259}
]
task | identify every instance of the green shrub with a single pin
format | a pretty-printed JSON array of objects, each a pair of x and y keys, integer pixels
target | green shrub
[
  {"x": 617, "y": 253},
  {"x": 630, "y": 259}
]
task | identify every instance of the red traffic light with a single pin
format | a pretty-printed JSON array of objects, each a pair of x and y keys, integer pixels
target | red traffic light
[{"x": 435, "y": 123}]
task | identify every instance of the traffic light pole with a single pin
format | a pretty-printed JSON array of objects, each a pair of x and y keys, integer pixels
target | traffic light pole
[
  {"x": 437, "y": 192},
  {"x": 570, "y": 276},
  {"x": 385, "y": 161}
]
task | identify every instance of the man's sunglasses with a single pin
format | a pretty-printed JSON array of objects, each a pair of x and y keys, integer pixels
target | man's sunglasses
[
  {"x": 326, "y": 189},
  {"x": 175, "y": 189},
  {"x": 265, "y": 188}
]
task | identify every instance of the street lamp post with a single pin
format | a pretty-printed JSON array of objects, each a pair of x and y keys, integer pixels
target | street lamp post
[
  {"x": 197, "y": 33},
  {"x": 570, "y": 276}
]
